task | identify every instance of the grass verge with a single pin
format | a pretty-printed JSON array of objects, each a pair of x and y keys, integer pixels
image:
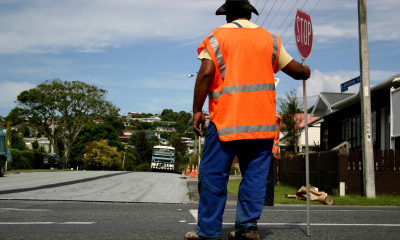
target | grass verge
[{"x": 348, "y": 200}]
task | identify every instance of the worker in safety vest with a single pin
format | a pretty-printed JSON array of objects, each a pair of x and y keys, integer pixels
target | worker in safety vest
[
  {"x": 269, "y": 194},
  {"x": 239, "y": 60}
]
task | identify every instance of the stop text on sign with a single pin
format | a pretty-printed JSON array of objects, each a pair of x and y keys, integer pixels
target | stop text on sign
[
  {"x": 304, "y": 28},
  {"x": 303, "y": 33}
]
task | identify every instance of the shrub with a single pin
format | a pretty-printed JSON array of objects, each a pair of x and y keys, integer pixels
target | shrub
[{"x": 21, "y": 159}]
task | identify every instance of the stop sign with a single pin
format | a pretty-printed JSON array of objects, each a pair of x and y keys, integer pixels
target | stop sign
[{"x": 303, "y": 33}]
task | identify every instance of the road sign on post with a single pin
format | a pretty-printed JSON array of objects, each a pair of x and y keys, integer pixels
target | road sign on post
[
  {"x": 345, "y": 86},
  {"x": 304, "y": 33},
  {"x": 304, "y": 38}
]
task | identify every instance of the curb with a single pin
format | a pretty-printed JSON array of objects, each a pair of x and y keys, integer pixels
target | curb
[{"x": 192, "y": 185}]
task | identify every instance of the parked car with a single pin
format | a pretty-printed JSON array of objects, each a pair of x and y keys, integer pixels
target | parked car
[{"x": 51, "y": 160}]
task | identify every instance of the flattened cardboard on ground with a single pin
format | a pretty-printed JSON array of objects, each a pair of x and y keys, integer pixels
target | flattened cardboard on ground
[{"x": 314, "y": 195}]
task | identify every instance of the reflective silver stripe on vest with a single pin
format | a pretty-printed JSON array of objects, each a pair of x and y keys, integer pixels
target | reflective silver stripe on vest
[
  {"x": 220, "y": 59},
  {"x": 247, "y": 129},
  {"x": 276, "y": 47},
  {"x": 242, "y": 88}
]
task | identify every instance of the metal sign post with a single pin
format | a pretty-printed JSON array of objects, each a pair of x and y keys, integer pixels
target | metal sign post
[{"x": 304, "y": 38}]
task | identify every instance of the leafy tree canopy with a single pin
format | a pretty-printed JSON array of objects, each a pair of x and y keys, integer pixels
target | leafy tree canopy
[
  {"x": 181, "y": 119},
  {"x": 98, "y": 155},
  {"x": 70, "y": 106},
  {"x": 290, "y": 120},
  {"x": 94, "y": 132}
]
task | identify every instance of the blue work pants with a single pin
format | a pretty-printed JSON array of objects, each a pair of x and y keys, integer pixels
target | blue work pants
[
  {"x": 269, "y": 194},
  {"x": 254, "y": 160}
]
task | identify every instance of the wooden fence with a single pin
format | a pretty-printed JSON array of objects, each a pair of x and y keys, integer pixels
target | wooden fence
[{"x": 329, "y": 168}]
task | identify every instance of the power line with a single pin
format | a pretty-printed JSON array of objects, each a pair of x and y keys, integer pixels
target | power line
[
  {"x": 279, "y": 28},
  {"x": 276, "y": 13},
  {"x": 261, "y": 11},
  {"x": 312, "y": 9},
  {"x": 315, "y": 5},
  {"x": 291, "y": 22},
  {"x": 269, "y": 13}
]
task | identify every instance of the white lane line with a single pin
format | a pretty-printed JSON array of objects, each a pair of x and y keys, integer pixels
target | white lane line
[
  {"x": 46, "y": 223},
  {"x": 317, "y": 224},
  {"x": 322, "y": 210},
  {"x": 194, "y": 214},
  {"x": 25, "y": 210}
]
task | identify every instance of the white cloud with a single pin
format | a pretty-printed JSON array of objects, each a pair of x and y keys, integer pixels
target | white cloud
[
  {"x": 89, "y": 26},
  {"x": 330, "y": 82},
  {"x": 10, "y": 91}
]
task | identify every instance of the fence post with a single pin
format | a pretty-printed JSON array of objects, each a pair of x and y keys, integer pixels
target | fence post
[
  {"x": 391, "y": 160},
  {"x": 343, "y": 168}
]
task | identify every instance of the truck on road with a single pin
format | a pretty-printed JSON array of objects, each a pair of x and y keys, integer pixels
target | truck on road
[
  {"x": 163, "y": 158},
  {"x": 5, "y": 154}
]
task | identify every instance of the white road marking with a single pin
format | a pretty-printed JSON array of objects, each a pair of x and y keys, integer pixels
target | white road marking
[
  {"x": 46, "y": 223},
  {"x": 194, "y": 213},
  {"x": 25, "y": 210}
]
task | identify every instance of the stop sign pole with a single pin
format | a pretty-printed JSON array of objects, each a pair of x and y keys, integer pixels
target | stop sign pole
[{"x": 304, "y": 39}]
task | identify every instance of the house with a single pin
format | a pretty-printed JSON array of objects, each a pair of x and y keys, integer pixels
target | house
[
  {"x": 313, "y": 132},
  {"x": 341, "y": 115},
  {"x": 128, "y": 132}
]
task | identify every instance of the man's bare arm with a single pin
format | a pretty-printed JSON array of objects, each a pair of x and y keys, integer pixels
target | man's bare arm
[
  {"x": 201, "y": 89},
  {"x": 297, "y": 70}
]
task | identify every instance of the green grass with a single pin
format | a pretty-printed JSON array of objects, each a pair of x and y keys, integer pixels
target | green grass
[{"x": 348, "y": 200}]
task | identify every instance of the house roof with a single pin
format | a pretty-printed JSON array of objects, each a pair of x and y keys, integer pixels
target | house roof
[
  {"x": 310, "y": 119},
  {"x": 328, "y": 103},
  {"x": 300, "y": 117},
  {"x": 325, "y": 100},
  {"x": 393, "y": 81}
]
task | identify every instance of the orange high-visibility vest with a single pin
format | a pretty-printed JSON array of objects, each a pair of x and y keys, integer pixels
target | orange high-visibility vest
[
  {"x": 242, "y": 101},
  {"x": 275, "y": 147}
]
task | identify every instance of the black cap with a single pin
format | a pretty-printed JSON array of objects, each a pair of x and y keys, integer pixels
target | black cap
[{"x": 235, "y": 4}]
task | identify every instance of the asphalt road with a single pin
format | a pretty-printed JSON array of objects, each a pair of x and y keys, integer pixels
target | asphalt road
[
  {"x": 107, "y": 186},
  {"x": 32, "y": 213}
]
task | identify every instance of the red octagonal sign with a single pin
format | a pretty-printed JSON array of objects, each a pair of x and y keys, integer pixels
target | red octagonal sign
[{"x": 303, "y": 33}]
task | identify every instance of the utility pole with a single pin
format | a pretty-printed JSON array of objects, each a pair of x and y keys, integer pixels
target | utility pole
[{"x": 368, "y": 157}]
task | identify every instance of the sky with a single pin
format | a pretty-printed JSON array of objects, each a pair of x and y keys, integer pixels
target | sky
[{"x": 142, "y": 52}]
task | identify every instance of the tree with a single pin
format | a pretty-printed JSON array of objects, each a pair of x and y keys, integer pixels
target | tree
[
  {"x": 16, "y": 141},
  {"x": 183, "y": 122},
  {"x": 67, "y": 106},
  {"x": 9, "y": 134},
  {"x": 94, "y": 132},
  {"x": 180, "y": 151},
  {"x": 98, "y": 155},
  {"x": 142, "y": 146},
  {"x": 290, "y": 120},
  {"x": 178, "y": 144},
  {"x": 35, "y": 145},
  {"x": 181, "y": 119}
]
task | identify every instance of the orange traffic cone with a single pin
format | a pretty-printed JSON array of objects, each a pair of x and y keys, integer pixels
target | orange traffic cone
[
  {"x": 193, "y": 171},
  {"x": 197, "y": 171},
  {"x": 188, "y": 171}
]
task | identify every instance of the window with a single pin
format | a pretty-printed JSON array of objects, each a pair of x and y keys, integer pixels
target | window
[
  {"x": 352, "y": 130},
  {"x": 386, "y": 137}
]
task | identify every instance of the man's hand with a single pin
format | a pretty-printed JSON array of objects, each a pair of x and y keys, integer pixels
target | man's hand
[
  {"x": 199, "y": 120},
  {"x": 297, "y": 70},
  {"x": 201, "y": 89}
]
